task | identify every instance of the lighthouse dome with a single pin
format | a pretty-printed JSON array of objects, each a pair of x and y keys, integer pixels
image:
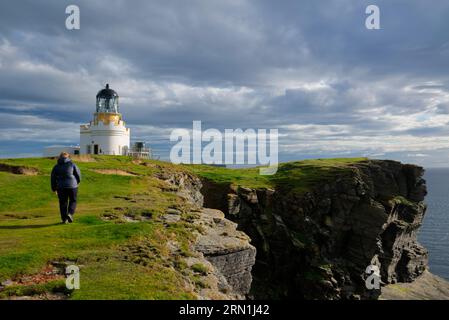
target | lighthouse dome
[{"x": 107, "y": 100}]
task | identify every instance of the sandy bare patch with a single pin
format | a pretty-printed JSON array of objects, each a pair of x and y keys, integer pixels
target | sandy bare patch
[
  {"x": 115, "y": 171},
  {"x": 83, "y": 158},
  {"x": 28, "y": 171},
  {"x": 53, "y": 271}
]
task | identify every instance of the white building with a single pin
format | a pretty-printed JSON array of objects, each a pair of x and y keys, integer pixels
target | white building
[{"x": 106, "y": 133}]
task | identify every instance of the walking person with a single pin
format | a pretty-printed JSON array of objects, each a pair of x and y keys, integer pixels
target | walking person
[{"x": 65, "y": 178}]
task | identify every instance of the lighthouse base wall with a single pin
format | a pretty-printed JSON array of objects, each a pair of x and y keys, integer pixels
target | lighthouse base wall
[{"x": 106, "y": 139}]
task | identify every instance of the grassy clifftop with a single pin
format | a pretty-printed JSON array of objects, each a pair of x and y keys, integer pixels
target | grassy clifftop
[
  {"x": 117, "y": 239},
  {"x": 295, "y": 175},
  {"x": 31, "y": 236}
]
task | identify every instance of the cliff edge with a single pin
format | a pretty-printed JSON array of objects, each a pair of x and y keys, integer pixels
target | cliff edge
[
  {"x": 149, "y": 229},
  {"x": 318, "y": 226}
]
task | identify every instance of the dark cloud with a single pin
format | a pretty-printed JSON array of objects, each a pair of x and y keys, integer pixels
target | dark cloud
[{"x": 307, "y": 67}]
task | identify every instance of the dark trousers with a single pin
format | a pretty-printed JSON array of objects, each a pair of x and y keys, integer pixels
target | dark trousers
[{"x": 67, "y": 201}]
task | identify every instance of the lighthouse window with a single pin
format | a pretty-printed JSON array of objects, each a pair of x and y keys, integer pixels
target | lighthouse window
[
  {"x": 107, "y": 100},
  {"x": 107, "y": 105}
]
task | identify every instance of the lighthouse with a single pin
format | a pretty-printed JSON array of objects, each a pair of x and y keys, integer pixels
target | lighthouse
[{"x": 106, "y": 133}]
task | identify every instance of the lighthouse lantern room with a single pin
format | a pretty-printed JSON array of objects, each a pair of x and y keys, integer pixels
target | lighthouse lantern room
[{"x": 107, "y": 133}]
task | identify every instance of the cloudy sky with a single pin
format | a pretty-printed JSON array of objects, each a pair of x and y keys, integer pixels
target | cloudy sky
[{"x": 309, "y": 68}]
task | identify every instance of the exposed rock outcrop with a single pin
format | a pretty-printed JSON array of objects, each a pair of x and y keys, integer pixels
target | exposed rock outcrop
[
  {"x": 224, "y": 250},
  {"x": 187, "y": 186},
  {"x": 227, "y": 249},
  {"x": 317, "y": 244},
  {"x": 425, "y": 287}
]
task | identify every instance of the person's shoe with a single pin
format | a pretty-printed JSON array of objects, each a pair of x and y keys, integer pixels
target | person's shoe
[
  {"x": 70, "y": 217},
  {"x": 64, "y": 222}
]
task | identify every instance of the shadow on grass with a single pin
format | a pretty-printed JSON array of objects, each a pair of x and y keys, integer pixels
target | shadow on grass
[{"x": 35, "y": 226}]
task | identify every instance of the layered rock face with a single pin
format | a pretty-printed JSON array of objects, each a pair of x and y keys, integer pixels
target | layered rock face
[
  {"x": 318, "y": 244},
  {"x": 225, "y": 251}
]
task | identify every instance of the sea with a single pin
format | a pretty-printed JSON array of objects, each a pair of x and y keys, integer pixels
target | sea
[{"x": 434, "y": 233}]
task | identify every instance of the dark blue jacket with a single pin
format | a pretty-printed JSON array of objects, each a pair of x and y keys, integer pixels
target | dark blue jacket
[{"x": 65, "y": 175}]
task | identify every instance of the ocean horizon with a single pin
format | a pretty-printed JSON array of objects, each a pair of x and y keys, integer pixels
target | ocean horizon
[{"x": 434, "y": 233}]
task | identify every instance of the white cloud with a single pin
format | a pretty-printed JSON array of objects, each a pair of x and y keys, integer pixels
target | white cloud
[{"x": 299, "y": 67}]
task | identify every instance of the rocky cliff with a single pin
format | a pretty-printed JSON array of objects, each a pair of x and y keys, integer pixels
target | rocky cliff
[
  {"x": 225, "y": 251},
  {"x": 166, "y": 231},
  {"x": 317, "y": 244}
]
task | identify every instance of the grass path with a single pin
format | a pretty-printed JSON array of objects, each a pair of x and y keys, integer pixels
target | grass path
[{"x": 31, "y": 235}]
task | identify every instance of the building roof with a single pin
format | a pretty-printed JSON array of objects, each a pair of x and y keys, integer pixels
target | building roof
[{"x": 107, "y": 93}]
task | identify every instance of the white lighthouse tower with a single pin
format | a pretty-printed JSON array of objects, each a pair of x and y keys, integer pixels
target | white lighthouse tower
[{"x": 107, "y": 133}]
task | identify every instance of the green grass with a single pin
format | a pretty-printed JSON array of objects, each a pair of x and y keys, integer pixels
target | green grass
[
  {"x": 54, "y": 286},
  {"x": 31, "y": 236},
  {"x": 118, "y": 259},
  {"x": 297, "y": 176},
  {"x": 200, "y": 268},
  {"x": 104, "y": 280},
  {"x": 403, "y": 201}
]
